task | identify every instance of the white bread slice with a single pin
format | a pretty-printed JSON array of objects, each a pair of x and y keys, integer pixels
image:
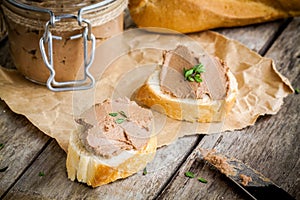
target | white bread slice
[
  {"x": 95, "y": 170},
  {"x": 188, "y": 109}
]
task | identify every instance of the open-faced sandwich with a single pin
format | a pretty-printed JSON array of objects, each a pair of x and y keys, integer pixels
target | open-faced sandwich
[
  {"x": 195, "y": 88},
  {"x": 114, "y": 140}
]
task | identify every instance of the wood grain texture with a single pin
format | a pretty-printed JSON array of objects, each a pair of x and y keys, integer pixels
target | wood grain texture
[
  {"x": 218, "y": 187},
  {"x": 55, "y": 184},
  {"x": 21, "y": 141},
  {"x": 271, "y": 146},
  {"x": 257, "y": 36}
]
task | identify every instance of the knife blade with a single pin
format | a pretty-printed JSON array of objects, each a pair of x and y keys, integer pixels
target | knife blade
[{"x": 252, "y": 182}]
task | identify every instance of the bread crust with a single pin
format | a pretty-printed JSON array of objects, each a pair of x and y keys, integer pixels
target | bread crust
[
  {"x": 150, "y": 95},
  {"x": 95, "y": 171},
  {"x": 196, "y": 15}
]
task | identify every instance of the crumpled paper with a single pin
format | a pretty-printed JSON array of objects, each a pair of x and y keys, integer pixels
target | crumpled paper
[{"x": 124, "y": 62}]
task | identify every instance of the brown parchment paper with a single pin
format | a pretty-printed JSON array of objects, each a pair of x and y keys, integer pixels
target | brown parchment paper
[{"x": 122, "y": 64}]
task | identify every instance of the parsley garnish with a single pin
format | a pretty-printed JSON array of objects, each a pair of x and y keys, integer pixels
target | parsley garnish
[
  {"x": 194, "y": 73},
  {"x": 41, "y": 174},
  {"x": 120, "y": 120},
  {"x": 189, "y": 174},
  {"x": 1, "y": 145},
  {"x": 113, "y": 114},
  {"x": 123, "y": 114},
  {"x": 202, "y": 180},
  {"x": 297, "y": 90},
  {"x": 145, "y": 171},
  {"x": 192, "y": 175}
]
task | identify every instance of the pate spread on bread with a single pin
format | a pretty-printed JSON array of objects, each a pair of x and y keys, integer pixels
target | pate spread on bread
[
  {"x": 114, "y": 140},
  {"x": 168, "y": 91}
]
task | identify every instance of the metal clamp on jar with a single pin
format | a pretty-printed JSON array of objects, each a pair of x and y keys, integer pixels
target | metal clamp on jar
[{"x": 65, "y": 34}]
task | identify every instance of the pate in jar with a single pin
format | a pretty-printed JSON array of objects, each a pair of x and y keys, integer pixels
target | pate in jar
[{"x": 52, "y": 42}]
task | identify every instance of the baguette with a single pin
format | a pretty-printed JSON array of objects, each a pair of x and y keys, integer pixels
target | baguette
[
  {"x": 188, "y": 16},
  {"x": 192, "y": 109},
  {"x": 117, "y": 158}
]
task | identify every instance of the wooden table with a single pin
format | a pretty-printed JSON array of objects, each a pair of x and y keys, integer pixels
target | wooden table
[{"x": 271, "y": 146}]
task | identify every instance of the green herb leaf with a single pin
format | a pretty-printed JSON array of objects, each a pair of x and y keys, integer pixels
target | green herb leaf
[
  {"x": 198, "y": 78},
  {"x": 189, "y": 174},
  {"x": 3, "y": 169},
  {"x": 188, "y": 73},
  {"x": 194, "y": 74},
  {"x": 199, "y": 68},
  {"x": 113, "y": 114},
  {"x": 297, "y": 90},
  {"x": 123, "y": 114},
  {"x": 1, "y": 145},
  {"x": 190, "y": 78},
  {"x": 202, "y": 180},
  {"x": 145, "y": 171},
  {"x": 120, "y": 120},
  {"x": 184, "y": 70},
  {"x": 41, "y": 174}
]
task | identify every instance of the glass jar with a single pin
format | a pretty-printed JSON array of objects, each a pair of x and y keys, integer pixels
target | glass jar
[{"x": 53, "y": 42}]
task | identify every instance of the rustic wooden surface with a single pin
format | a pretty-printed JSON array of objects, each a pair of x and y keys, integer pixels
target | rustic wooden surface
[{"x": 270, "y": 146}]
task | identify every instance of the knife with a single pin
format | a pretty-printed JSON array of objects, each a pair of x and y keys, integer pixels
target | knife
[{"x": 255, "y": 184}]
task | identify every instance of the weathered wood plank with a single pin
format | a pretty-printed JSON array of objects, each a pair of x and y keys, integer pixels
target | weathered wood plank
[
  {"x": 271, "y": 146},
  {"x": 21, "y": 141},
  {"x": 190, "y": 188},
  {"x": 257, "y": 36},
  {"x": 55, "y": 184}
]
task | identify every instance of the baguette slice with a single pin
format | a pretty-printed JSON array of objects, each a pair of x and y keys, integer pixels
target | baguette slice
[
  {"x": 203, "y": 109},
  {"x": 95, "y": 170}
]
